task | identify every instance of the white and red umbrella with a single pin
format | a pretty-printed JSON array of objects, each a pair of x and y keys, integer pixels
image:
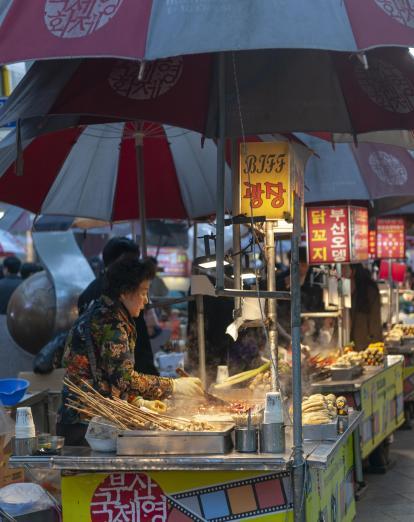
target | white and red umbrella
[{"x": 92, "y": 172}]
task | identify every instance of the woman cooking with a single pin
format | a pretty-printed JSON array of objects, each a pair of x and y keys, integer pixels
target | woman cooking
[{"x": 100, "y": 348}]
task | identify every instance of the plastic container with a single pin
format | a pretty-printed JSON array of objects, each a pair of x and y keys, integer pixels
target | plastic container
[
  {"x": 47, "y": 442},
  {"x": 24, "y": 446},
  {"x": 21, "y": 498},
  {"x": 102, "y": 435},
  {"x": 12, "y": 391},
  {"x": 104, "y": 445}
]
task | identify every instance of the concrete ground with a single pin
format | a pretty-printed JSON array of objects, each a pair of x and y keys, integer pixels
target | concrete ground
[{"x": 390, "y": 497}]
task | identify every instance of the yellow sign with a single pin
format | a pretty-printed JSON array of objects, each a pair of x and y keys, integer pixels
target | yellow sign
[
  {"x": 265, "y": 180},
  {"x": 178, "y": 496}
]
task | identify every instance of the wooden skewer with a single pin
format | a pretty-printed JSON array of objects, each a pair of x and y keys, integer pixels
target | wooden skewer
[{"x": 124, "y": 414}]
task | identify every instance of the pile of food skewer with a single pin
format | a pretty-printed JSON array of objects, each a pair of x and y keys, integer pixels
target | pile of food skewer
[{"x": 124, "y": 415}]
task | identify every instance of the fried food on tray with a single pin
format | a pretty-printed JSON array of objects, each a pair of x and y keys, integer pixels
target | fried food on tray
[{"x": 319, "y": 409}]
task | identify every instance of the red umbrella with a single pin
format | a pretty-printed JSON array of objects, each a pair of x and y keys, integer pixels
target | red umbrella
[
  {"x": 148, "y": 29},
  {"x": 92, "y": 172},
  {"x": 280, "y": 91}
]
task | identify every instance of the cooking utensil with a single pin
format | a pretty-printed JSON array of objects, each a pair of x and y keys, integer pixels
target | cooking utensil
[{"x": 208, "y": 396}]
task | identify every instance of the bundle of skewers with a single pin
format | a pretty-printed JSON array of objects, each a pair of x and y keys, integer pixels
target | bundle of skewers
[{"x": 124, "y": 415}]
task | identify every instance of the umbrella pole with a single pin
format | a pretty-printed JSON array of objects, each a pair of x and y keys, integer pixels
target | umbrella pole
[
  {"x": 139, "y": 143},
  {"x": 220, "y": 175},
  {"x": 236, "y": 228},
  {"x": 272, "y": 303},
  {"x": 201, "y": 340},
  {"x": 298, "y": 459}
]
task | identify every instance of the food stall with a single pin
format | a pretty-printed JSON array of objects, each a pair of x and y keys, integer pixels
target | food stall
[
  {"x": 370, "y": 380},
  {"x": 221, "y": 487},
  {"x": 400, "y": 340},
  {"x": 174, "y": 466},
  {"x": 378, "y": 394}
]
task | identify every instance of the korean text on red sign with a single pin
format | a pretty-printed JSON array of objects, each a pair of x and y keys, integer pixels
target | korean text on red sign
[{"x": 328, "y": 235}]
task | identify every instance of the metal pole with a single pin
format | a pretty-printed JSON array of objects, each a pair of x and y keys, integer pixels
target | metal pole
[
  {"x": 390, "y": 294},
  {"x": 237, "y": 271},
  {"x": 220, "y": 173},
  {"x": 139, "y": 143},
  {"x": 359, "y": 475},
  {"x": 201, "y": 339},
  {"x": 298, "y": 459},
  {"x": 272, "y": 303},
  {"x": 195, "y": 234},
  {"x": 340, "y": 308}
]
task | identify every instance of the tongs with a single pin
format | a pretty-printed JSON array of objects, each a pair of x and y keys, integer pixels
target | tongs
[{"x": 213, "y": 399}]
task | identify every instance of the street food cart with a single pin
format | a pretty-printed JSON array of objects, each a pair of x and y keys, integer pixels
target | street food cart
[{"x": 233, "y": 486}]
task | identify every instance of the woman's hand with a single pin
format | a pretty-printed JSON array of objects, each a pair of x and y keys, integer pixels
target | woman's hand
[
  {"x": 187, "y": 387},
  {"x": 157, "y": 406}
]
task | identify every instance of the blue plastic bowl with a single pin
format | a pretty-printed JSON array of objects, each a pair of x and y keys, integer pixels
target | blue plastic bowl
[{"x": 12, "y": 391}]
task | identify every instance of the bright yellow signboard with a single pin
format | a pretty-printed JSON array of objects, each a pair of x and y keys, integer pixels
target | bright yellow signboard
[{"x": 265, "y": 180}]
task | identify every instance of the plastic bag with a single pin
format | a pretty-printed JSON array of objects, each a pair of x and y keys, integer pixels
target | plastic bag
[
  {"x": 7, "y": 428},
  {"x": 24, "y": 497},
  {"x": 50, "y": 356}
]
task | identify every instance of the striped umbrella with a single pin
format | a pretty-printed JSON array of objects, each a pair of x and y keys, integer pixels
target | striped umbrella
[{"x": 92, "y": 172}]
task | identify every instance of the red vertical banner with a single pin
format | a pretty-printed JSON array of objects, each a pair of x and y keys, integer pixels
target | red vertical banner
[
  {"x": 328, "y": 235},
  {"x": 372, "y": 244},
  {"x": 337, "y": 234},
  {"x": 390, "y": 238},
  {"x": 358, "y": 219}
]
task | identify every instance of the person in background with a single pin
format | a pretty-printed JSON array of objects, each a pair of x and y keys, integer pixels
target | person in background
[
  {"x": 311, "y": 297},
  {"x": 366, "y": 324},
  {"x": 116, "y": 248},
  {"x": 11, "y": 280},
  {"x": 28, "y": 269},
  {"x": 100, "y": 346}
]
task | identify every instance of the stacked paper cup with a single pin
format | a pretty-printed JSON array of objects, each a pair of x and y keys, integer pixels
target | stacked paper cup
[
  {"x": 25, "y": 435},
  {"x": 272, "y": 430}
]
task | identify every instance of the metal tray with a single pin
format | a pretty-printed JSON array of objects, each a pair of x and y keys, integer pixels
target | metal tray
[
  {"x": 346, "y": 374},
  {"x": 320, "y": 432},
  {"x": 176, "y": 442}
]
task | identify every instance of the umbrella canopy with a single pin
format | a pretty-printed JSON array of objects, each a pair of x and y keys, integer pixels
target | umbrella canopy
[
  {"x": 265, "y": 91},
  {"x": 376, "y": 173},
  {"x": 92, "y": 172},
  {"x": 151, "y": 29}
]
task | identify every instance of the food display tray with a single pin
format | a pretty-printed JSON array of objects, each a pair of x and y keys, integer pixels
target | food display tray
[
  {"x": 346, "y": 374},
  {"x": 320, "y": 432},
  {"x": 176, "y": 442}
]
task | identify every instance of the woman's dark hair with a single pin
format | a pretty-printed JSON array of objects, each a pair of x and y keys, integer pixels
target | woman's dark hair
[
  {"x": 126, "y": 274},
  {"x": 118, "y": 246},
  {"x": 363, "y": 281}
]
